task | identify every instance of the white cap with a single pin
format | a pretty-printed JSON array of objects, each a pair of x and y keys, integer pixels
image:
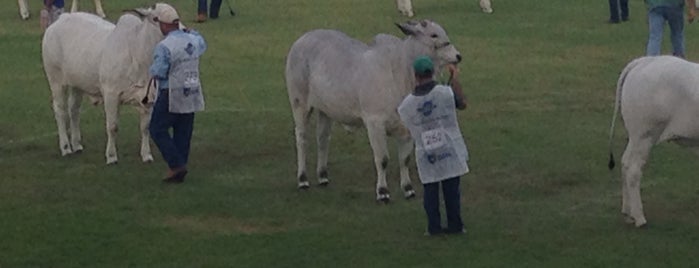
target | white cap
[{"x": 166, "y": 13}]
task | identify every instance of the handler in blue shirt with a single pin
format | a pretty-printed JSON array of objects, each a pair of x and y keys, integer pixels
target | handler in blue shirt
[{"x": 176, "y": 69}]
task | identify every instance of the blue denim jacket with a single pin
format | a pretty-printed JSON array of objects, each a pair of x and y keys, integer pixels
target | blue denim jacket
[{"x": 161, "y": 58}]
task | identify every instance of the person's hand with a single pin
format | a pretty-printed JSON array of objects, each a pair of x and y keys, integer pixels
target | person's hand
[{"x": 453, "y": 70}]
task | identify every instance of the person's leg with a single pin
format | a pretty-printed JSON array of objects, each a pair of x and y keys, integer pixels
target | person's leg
[
  {"x": 182, "y": 134},
  {"x": 614, "y": 11},
  {"x": 160, "y": 123},
  {"x": 215, "y": 7},
  {"x": 675, "y": 18},
  {"x": 431, "y": 205},
  {"x": 624, "y": 7},
  {"x": 452, "y": 202},
  {"x": 656, "y": 22},
  {"x": 201, "y": 11}
]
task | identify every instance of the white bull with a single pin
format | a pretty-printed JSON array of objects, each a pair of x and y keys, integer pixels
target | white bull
[
  {"x": 659, "y": 101},
  {"x": 24, "y": 8},
  {"x": 84, "y": 54},
  {"x": 355, "y": 84},
  {"x": 406, "y": 7}
]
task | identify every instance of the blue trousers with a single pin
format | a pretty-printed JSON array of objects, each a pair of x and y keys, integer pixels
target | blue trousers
[
  {"x": 215, "y": 7},
  {"x": 616, "y": 7},
  {"x": 656, "y": 22},
  {"x": 175, "y": 147},
  {"x": 452, "y": 203}
]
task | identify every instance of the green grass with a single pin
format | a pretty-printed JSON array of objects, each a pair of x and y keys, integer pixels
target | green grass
[{"x": 540, "y": 77}]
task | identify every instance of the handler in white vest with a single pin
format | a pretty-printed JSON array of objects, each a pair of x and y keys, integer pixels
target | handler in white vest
[
  {"x": 440, "y": 152},
  {"x": 176, "y": 69}
]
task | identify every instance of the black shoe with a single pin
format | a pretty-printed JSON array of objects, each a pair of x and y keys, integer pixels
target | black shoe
[
  {"x": 625, "y": 19},
  {"x": 613, "y": 21},
  {"x": 178, "y": 177}
]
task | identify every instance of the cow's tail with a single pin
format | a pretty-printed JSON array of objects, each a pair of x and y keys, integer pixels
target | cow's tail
[{"x": 617, "y": 106}]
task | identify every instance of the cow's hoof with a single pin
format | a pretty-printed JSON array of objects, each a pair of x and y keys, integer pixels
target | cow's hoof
[
  {"x": 643, "y": 226},
  {"x": 383, "y": 195},
  {"x": 408, "y": 191},
  {"x": 323, "y": 181},
  {"x": 147, "y": 159},
  {"x": 410, "y": 194},
  {"x": 303, "y": 185}
]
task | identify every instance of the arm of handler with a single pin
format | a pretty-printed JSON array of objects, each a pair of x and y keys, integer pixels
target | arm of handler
[{"x": 459, "y": 98}]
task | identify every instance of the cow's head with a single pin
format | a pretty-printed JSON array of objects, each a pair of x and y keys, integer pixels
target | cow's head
[
  {"x": 150, "y": 14},
  {"x": 435, "y": 40}
]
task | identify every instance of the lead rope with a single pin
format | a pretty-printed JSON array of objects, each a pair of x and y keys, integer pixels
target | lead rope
[{"x": 145, "y": 98}]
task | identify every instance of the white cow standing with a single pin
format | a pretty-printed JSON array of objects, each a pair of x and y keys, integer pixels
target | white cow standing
[
  {"x": 84, "y": 54},
  {"x": 659, "y": 101},
  {"x": 355, "y": 84},
  {"x": 24, "y": 8},
  {"x": 406, "y": 7}
]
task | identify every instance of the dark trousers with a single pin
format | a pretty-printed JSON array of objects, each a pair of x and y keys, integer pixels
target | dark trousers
[
  {"x": 175, "y": 147},
  {"x": 215, "y": 7},
  {"x": 452, "y": 202},
  {"x": 616, "y": 7}
]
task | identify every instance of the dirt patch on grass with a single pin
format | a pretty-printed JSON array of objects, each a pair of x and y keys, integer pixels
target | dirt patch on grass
[{"x": 220, "y": 225}]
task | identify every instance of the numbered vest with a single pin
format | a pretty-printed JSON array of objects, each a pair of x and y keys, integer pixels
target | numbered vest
[
  {"x": 185, "y": 95},
  {"x": 440, "y": 151}
]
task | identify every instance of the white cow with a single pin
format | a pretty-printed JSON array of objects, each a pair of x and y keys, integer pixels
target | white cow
[
  {"x": 659, "y": 101},
  {"x": 24, "y": 8},
  {"x": 84, "y": 54},
  {"x": 406, "y": 7},
  {"x": 355, "y": 84}
]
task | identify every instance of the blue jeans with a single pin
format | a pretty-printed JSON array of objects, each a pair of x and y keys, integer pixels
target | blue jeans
[
  {"x": 656, "y": 22},
  {"x": 215, "y": 7},
  {"x": 452, "y": 203},
  {"x": 175, "y": 148},
  {"x": 615, "y": 6}
]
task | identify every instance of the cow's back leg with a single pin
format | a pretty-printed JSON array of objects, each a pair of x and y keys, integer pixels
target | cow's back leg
[
  {"x": 144, "y": 121},
  {"x": 323, "y": 129},
  {"x": 634, "y": 159},
  {"x": 298, "y": 97},
  {"x": 485, "y": 6},
  {"x": 405, "y": 149},
  {"x": 405, "y": 7},
  {"x": 23, "y": 9},
  {"x": 75, "y": 98},
  {"x": 111, "y": 115},
  {"x": 58, "y": 92},
  {"x": 377, "y": 138},
  {"x": 98, "y": 9}
]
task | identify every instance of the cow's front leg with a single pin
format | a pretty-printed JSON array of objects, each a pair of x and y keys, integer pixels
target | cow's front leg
[
  {"x": 74, "y": 6},
  {"x": 377, "y": 138},
  {"x": 23, "y": 9},
  {"x": 111, "y": 114},
  {"x": 145, "y": 114},
  {"x": 98, "y": 9},
  {"x": 405, "y": 149}
]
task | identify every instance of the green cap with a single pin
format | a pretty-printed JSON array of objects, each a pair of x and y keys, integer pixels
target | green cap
[{"x": 423, "y": 65}]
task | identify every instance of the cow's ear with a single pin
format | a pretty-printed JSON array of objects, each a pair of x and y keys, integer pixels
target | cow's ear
[{"x": 408, "y": 28}]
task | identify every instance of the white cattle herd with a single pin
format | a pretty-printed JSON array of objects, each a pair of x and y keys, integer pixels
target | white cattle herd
[
  {"x": 346, "y": 81},
  {"x": 24, "y": 8}
]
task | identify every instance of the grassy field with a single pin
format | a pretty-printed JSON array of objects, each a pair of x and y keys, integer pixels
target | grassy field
[{"x": 540, "y": 77}]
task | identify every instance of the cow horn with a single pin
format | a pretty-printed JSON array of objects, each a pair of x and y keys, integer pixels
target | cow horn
[{"x": 136, "y": 12}]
